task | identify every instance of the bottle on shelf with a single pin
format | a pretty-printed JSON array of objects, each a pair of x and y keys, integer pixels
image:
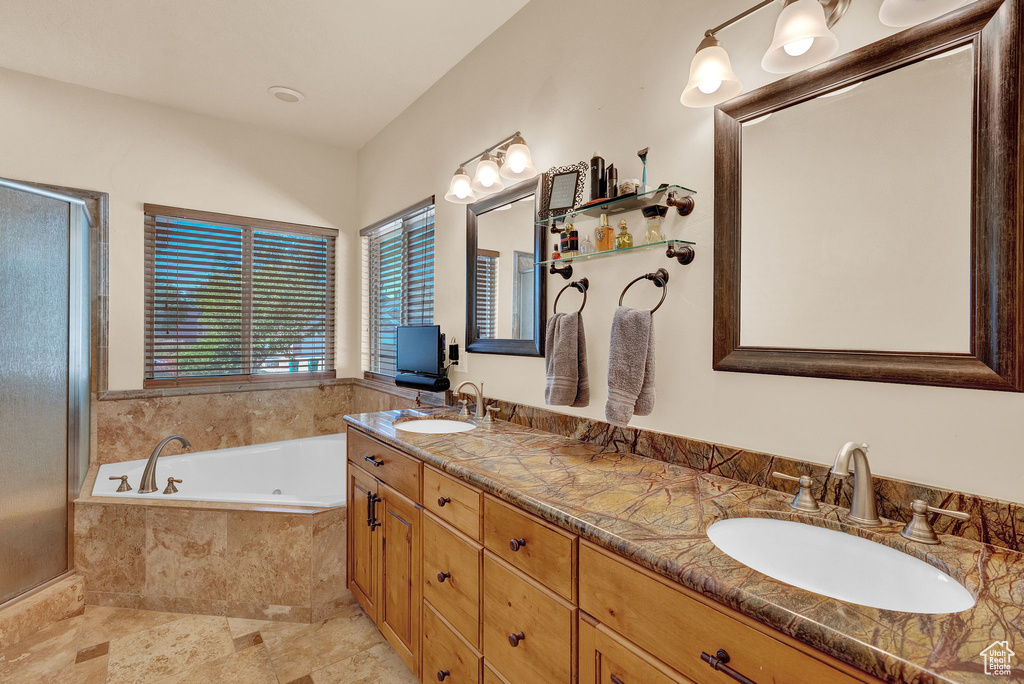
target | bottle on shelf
[
  {"x": 563, "y": 241},
  {"x": 652, "y": 215},
  {"x": 623, "y": 240},
  {"x": 572, "y": 241},
  {"x": 596, "y": 176},
  {"x": 604, "y": 236},
  {"x": 586, "y": 247}
]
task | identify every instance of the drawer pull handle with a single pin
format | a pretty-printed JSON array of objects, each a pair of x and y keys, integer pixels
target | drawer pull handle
[
  {"x": 442, "y": 500},
  {"x": 376, "y": 462},
  {"x": 516, "y": 544},
  {"x": 514, "y": 639},
  {"x": 718, "y": 662},
  {"x": 442, "y": 576},
  {"x": 616, "y": 680},
  {"x": 442, "y": 675}
]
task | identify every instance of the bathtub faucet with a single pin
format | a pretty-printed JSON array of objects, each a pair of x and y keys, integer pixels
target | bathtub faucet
[{"x": 148, "y": 483}]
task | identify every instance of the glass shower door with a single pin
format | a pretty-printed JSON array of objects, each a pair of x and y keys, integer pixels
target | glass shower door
[{"x": 35, "y": 351}]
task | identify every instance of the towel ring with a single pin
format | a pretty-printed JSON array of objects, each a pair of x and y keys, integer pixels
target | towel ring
[
  {"x": 582, "y": 285},
  {"x": 660, "y": 278}
]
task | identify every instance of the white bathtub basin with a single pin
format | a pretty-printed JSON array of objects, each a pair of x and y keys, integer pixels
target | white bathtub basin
[
  {"x": 295, "y": 472},
  {"x": 839, "y": 565},
  {"x": 434, "y": 426}
]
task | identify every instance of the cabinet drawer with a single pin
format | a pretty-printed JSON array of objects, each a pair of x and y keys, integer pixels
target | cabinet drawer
[
  {"x": 451, "y": 577},
  {"x": 446, "y": 657},
  {"x": 544, "y": 624},
  {"x": 395, "y": 468},
  {"x": 606, "y": 658},
  {"x": 675, "y": 626},
  {"x": 456, "y": 503},
  {"x": 542, "y": 551}
]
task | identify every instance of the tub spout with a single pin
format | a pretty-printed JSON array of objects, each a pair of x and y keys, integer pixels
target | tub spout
[{"x": 148, "y": 483}]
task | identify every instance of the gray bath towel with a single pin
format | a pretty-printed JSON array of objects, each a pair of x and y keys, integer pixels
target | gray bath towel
[
  {"x": 566, "y": 360},
  {"x": 630, "y": 366}
]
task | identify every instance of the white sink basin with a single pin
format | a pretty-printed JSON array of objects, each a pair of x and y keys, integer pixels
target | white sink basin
[
  {"x": 434, "y": 426},
  {"x": 839, "y": 565}
]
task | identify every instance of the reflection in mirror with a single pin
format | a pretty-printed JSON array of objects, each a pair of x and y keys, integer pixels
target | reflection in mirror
[
  {"x": 856, "y": 215},
  {"x": 505, "y": 271}
]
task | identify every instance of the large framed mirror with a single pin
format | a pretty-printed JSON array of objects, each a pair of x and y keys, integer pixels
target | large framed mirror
[
  {"x": 869, "y": 212},
  {"x": 505, "y": 296}
]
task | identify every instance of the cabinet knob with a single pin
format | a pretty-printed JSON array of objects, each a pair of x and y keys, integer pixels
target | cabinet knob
[
  {"x": 443, "y": 675},
  {"x": 442, "y": 576},
  {"x": 514, "y": 639},
  {"x": 516, "y": 544},
  {"x": 377, "y": 463},
  {"x": 443, "y": 500}
]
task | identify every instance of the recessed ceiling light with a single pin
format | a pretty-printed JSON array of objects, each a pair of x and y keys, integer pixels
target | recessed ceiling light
[{"x": 284, "y": 94}]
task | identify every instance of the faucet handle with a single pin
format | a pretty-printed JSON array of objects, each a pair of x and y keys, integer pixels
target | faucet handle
[
  {"x": 464, "y": 412},
  {"x": 170, "y": 488},
  {"x": 491, "y": 412},
  {"x": 919, "y": 528},
  {"x": 124, "y": 486},
  {"x": 804, "y": 500}
]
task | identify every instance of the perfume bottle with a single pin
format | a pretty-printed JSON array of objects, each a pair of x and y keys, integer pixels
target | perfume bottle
[
  {"x": 623, "y": 240},
  {"x": 572, "y": 242},
  {"x": 604, "y": 236},
  {"x": 586, "y": 247},
  {"x": 563, "y": 242},
  {"x": 653, "y": 230}
]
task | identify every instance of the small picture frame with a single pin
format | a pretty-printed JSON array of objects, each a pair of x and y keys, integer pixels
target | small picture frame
[{"x": 562, "y": 190}]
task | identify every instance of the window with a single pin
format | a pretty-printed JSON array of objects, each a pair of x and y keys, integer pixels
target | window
[
  {"x": 231, "y": 299},
  {"x": 398, "y": 281},
  {"x": 486, "y": 294}
]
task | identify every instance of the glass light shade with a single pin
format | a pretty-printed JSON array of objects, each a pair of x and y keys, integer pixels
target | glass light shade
[
  {"x": 460, "y": 191},
  {"x": 712, "y": 80},
  {"x": 900, "y": 13},
  {"x": 518, "y": 164},
  {"x": 487, "y": 179},
  {"x": 802, "y": 39}
]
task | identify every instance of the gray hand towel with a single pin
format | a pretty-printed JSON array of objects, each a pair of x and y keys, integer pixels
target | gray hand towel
[
  {"x": 630, "y": 366},
  {"x": 568, "y": 381}
]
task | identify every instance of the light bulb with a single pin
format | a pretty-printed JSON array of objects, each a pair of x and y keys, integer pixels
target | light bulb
[
  {"x": 711, "y": 78},
  {"x": 798, "y": 47},
  {"x": 518, "y": 164},
  {"x": 487, "y": 178},
  {"x": 460, "y": 191},
  {"x": 709, "y": 86}
]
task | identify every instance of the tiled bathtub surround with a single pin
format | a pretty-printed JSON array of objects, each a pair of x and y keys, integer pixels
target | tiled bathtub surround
[
  {"x": 129, "y": 424},
  {"x": 221, "y": 559},
  {"x": 995, "y": 522}
]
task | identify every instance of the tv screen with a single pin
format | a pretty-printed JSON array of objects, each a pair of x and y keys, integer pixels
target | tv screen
[{"x": 419, "y": 349}]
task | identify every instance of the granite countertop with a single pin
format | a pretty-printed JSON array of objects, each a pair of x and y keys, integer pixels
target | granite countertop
[{"x": 657, "y": 514}]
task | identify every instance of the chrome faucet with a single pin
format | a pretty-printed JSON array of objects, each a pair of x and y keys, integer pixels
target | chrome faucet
[
  {"x": 479, "y": 397},
  {"x": 148, "y": 483},
  {"x": 863, "y": 510}
]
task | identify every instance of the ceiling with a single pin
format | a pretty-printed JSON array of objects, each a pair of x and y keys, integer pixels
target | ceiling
[{"x": 359, "y": 64}]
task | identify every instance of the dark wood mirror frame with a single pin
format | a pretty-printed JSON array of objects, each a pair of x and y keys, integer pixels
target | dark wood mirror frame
[
  {"x": 996, "y": 358},
  {"x": 510, "y": 347}
]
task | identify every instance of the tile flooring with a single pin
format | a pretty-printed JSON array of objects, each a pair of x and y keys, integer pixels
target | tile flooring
[{"x": 124, "y": 646}]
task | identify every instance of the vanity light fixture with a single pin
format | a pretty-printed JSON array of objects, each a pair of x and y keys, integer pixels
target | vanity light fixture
[
  {"x": 509, "y": 159},
  {"x": 901, "y": 13},
  {"x": 802, "y": 39}
]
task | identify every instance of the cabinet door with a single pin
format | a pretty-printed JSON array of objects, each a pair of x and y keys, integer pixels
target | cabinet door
[
  {"x": 401, "y": 588},
  {"x": 363, "y": 539},
  {"x": 606, "y": 658}
]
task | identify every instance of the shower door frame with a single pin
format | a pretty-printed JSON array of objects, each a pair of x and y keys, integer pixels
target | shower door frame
[{"x": 87, "y": 293}]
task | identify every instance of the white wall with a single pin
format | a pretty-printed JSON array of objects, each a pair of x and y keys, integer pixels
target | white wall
[
  {"x": 577, "y": 76},
  {"x": 141, "y": 153}
]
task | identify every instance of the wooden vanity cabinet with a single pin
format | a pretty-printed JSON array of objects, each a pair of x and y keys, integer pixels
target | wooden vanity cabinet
[
  {"x": 363, "y": 549},
  {"x": 401, "y": 584}
]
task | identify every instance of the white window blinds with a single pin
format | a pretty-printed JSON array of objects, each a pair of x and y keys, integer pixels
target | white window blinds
[
  {"x": 486, "y": 294},
  {"x": 231, "y": 299},
  {"x": 398, "y": 281}
]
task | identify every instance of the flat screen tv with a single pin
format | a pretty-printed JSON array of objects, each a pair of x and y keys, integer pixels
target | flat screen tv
[{"x": 420, "y": 350}]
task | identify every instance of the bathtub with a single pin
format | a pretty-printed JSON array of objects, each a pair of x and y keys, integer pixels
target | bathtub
[{"x": 296, "y": 472}]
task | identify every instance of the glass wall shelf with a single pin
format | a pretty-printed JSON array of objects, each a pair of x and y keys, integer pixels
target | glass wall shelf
[
  {"x": 664, "y": 196},
  {"x": 668, "y": 245}
]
